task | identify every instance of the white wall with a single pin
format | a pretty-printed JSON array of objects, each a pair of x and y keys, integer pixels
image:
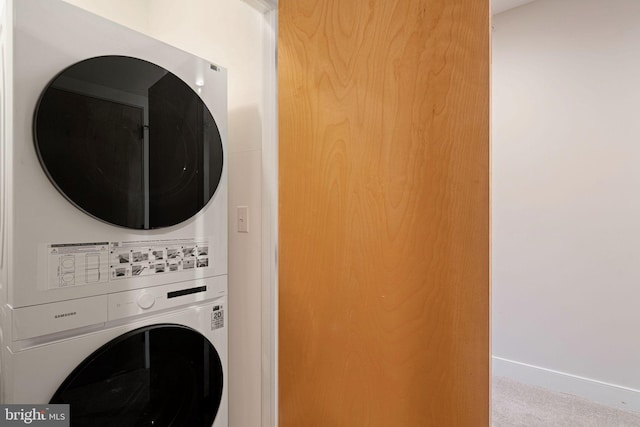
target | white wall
[
  {"x": 229, "y": 33},
  {"x": 566, "y": 197},
  {"x": 499, "y": 6},
  {"x": 132, "y": 14}
]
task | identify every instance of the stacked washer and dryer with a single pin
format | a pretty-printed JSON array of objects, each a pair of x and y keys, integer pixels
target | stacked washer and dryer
[{"x": 113, "y": 222}]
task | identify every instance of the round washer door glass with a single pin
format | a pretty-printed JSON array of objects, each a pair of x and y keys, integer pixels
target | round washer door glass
[
  {"x": 128, "y": 142},
  {"x": 161, "y": 375}
]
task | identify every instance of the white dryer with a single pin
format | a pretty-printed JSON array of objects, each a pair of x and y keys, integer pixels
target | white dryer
[
  {"x": 113, "y": 216},
  {"x": 160, "y": 360},
  {"x": 113, "y": 158}
]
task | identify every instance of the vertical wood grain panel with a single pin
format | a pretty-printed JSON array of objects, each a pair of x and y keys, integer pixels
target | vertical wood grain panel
[{"x": 384, "y": 212}]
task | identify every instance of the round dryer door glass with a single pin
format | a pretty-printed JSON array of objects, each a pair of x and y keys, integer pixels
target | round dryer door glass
[
  {"x": 161, "y": 375},
  {"x": 128, "y": 142}
]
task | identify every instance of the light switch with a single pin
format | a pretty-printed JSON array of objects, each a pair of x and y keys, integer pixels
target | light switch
[{"x": 243, "y": 219}]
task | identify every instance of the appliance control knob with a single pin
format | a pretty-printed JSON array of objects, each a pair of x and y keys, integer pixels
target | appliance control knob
[{"x": 146, "y": 301}]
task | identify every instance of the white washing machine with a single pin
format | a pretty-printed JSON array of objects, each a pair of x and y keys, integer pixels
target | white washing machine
[
  {"x": 113, "y": 184},
  {"x": 160, "y": 360}
]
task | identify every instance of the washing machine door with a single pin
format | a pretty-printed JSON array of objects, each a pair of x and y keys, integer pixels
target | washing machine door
[
  {"x": 161, "y": 375},
  {"x": 128, "y": 142}
]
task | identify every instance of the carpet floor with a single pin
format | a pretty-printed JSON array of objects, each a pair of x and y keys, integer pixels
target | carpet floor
[{"x": 521, "y": 405}]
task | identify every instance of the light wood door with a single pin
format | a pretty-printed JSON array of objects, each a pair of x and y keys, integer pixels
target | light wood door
[{"x": 384, "y": 213}]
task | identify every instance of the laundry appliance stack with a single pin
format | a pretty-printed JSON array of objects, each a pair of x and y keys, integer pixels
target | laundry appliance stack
[{"x": 113, "y": 221}]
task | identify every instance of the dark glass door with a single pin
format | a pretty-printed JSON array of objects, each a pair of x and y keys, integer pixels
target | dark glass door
[
  {"x": 128, "y": 142},
  {"x": 160, "y": 375},
  {"x": 97, "y": 163}
]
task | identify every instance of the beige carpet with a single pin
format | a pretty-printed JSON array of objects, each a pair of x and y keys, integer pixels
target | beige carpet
[{"x": 521, "y": 405}]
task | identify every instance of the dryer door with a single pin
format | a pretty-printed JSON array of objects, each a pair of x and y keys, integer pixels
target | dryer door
[
  {"x": 128, "y": 142},
  {"x": 162, "y": 375}
]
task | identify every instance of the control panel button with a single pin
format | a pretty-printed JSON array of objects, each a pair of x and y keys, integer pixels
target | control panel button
[{"x": 146, "y": 301}]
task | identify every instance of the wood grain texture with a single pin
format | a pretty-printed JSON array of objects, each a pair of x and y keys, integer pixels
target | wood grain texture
[{"x": 384, "y": 213}]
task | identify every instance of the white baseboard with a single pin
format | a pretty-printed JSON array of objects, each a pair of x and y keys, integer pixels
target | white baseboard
[{"x": 562, "y": 382}]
